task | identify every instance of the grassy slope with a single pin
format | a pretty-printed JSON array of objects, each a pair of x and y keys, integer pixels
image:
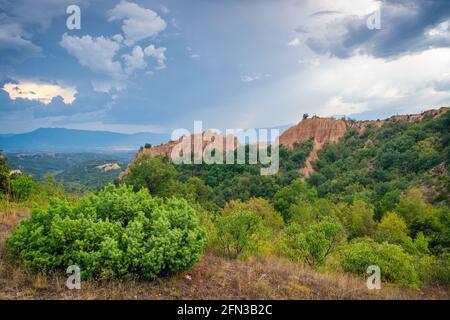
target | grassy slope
[{"x": 213, "y": 278}]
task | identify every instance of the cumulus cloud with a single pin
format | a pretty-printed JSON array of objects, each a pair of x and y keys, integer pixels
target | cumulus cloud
[
  {"x": 158, "y": 53},
  {"x": 96, "y": 53},
  {"x": 138, "y": 23},
  {"x": 42, "y": 92},
  {"x": 135, "y": 60},
  {"x": 99, "y": 54}
]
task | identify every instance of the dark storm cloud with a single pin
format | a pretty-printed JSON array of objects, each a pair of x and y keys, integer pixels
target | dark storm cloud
[
  {"x": 404, "y": 29},
  {"x": 20, "y": 20}
]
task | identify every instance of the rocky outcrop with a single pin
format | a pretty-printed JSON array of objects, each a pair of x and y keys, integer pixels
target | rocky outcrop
[
  {"x": 229, "y": 142},
  {"x": 320, "y": 130},
  {"x": 108, "y": 167},
  {"x": 323, "y": 130},
  {"x": 419, "y": 117}
]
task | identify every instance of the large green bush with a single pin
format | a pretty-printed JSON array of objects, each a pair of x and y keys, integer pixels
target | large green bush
[
  {"x": 395, "y": 264},
  {"x": 117, "y": 233}
]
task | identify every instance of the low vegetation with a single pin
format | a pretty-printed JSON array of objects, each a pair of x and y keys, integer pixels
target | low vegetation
[{"x": 369, "y": 202}]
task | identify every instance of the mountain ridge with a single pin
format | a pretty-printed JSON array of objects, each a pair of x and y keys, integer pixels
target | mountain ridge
[
  {"x": 74, "y": 140},
  {"x": 320, "y": 129}
]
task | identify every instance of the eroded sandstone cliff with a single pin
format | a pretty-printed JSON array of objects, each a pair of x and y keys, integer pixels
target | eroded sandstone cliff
[
  {"x": 323, "y": 130},
  {"x": 320, "y": 130},
  {"x": 229, "y": 142}
]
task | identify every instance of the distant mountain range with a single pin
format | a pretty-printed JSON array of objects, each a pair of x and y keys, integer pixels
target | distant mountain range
[{"x": 70, "y": 140}]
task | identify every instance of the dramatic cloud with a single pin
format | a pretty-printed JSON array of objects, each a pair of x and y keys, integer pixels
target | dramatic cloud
[
  {"x": 41, "y": 92},
  {"x": 14, "y": 45},
  {"x": 20, "y": 19},
  {"x": 406, "y": 27},
  {"x": 138, "y": 23},
  {"x": 321, "y": 57}
]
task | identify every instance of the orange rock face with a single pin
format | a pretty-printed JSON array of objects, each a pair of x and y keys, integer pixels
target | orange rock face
[
  {"x": 229, "y": 143},
  {"x": 320, "y": 129},
  {"x": 323, "y": 130}
]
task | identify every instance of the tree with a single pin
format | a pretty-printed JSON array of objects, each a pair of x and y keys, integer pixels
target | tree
[
  {"x": 412, "y": 205},
  {"x": 396, "y": 265},
  {"x": 270, "y": 217},
  {"x": 290, "y": 194},
  {"x": 22, "y": 186},
  {"x": 237, "y": 232},
  {"x": 305, "y": 116},
  {"x": 392, "y": 228},
  {"x": 147, "y": 145},
  {"x": 153, "y": 173},
  {"x": 305, "y": 212},
  {"x": 357, "y": 219},
  {"x": 313, "y": 244},
  {"x": 4, "y": 174}
]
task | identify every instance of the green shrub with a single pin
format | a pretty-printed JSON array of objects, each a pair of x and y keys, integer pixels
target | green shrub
[
  {"x": 357, "y": 219},
  {"x": 117, "y": 233},
  {"x": 392, "y": 228},
  {"x": 434, "y": 270},
  {"x": 440, "y": 270},
  {"x": 239, "y": 233},
  {"x": 22, "y": 186},
  {"x": 271, "y": 219},
  {"x": 395, "y": 264},
  {"x": 313, "y": 245},
  {"x": 154, "y": 173}
]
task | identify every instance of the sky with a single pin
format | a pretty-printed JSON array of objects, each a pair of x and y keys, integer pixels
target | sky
[{"x": 155, "y": 66}]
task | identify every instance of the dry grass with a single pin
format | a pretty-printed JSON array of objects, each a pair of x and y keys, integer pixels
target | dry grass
[{"x": 213, "y": 278}]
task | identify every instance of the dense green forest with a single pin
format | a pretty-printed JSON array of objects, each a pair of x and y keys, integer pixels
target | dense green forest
[{"x": 380, "y": 197}]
